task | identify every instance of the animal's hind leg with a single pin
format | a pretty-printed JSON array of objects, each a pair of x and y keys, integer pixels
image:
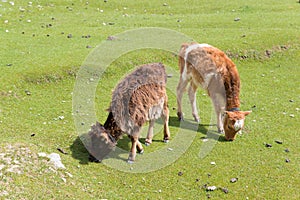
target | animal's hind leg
[
  {"x": 149, "y": 137},
  {"x": 139, "y": 147},
  {"x": 165, "y": 118},
  {"x": 180, "y": 89},
  {"x": 192, "y": 97}
]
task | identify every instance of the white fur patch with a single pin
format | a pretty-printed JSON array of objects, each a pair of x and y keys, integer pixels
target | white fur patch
[
  {"x": 156, "y": 110},
  {"x": 187, "y": 51},
  {"x": 239, "y": 124}
]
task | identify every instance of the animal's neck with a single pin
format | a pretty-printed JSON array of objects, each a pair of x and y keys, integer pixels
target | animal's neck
[
  {"x": 232, "y": 88},
  {"x": 112, "y": 127}
]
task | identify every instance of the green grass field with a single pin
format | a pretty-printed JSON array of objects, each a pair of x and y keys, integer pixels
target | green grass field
[{"x": 43, "y": 45}]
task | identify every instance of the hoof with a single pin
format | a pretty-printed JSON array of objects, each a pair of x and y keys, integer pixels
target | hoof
[
  {"x": 180, "y": 116},
  {"x": 166, "y": 141},
  {"x": 130, "y": 161},
  {"x": 221, "y": 131},
  {"x": 141, "y": 151},
  {"x": 147, "y": 143},
  {"x": 93, "y": 159}
]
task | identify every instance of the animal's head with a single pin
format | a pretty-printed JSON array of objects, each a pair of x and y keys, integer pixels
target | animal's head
[
  {"x": 101, "y": 143},
  {"x": 233, "y": 123}
]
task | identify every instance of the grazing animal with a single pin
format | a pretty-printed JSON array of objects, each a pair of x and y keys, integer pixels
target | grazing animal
[
  {"x": 141, "y": 96},
  {"x": 206, "y": 66}
]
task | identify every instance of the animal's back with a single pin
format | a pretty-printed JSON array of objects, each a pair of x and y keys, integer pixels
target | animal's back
[
  {"x": 136, "y": 94},
  {"x": 201, "y": 61}
]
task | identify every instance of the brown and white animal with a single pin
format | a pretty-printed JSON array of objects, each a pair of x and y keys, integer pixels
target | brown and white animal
[
  {"x": 141, "y": 96},
  {"x": 206, "y": 66}
]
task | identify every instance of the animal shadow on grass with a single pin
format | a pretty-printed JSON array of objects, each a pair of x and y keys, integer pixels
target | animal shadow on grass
[
  {"x": 80, "y": 152},
  {"x": 202, "y": 128}
]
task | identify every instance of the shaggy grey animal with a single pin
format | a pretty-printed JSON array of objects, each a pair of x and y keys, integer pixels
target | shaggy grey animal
[{"x": 140, "y": 97}]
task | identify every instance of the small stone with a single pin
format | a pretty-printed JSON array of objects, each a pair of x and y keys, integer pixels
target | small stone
[
  {"x": 291, "y": 100},
  {"x": 268, "y": 145},
  {"x": 287, "y": 150},
  {"x": 237, "y": 19},
  {"x": 165, "y": 4},
  {"x": 233, "y": 180},
  {"x": 32, "y": 135},
  {"x": 292, "y": 115},
  {"x": 42, "y": 154},
  {"x": 69, "y": 174},
  {"x": 9, "y": 65},
  {"x": 209, "y": 175},
  {"x": 111, "y": 23},
  {"x": 88, "y": 47},
  {"x": 225, "y": 190},
  {"x": 287, "y": 160},
  {"x": 211, "y": 188},
  {"x": 61, "y": 150},
  {"x": 111, "y": 38},
  {"x": 56, "y": 161},
  {"x": 61, "y": 117},
  {"x": 213, "y": 163},
  {"x": 180, "y": 173},
  {"x": 69, "y": 36},
  {"x": 278, "y": 141},
  {"x": 170, "y": 149},
  {"x": 27, "y": 92}
]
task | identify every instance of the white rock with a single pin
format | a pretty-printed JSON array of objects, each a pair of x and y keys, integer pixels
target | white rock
[
  {"x": 56, "y": 161},
  {"x": 42, "y": 154},
  {"x": 69, "y": 174},
  {"x": 213, "y": 163},
  {"x": 211, "y": 188},
  {"x": 2, "y": 166}
]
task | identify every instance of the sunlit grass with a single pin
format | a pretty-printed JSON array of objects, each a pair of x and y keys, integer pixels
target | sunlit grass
[{"x": 39, "y": 56}]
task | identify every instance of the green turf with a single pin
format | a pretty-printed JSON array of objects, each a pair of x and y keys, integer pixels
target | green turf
[{"x": 39, "y": 64}]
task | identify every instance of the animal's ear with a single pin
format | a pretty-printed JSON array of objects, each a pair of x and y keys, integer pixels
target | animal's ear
[{"x": 247, "y": 112}]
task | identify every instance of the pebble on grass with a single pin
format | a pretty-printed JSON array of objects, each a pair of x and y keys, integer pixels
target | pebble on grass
[
  {"x": 225, "y": 190},
  {"x": 278, "y": 141},
  {"x": 268, "y": 145},
  {"x": 233, "y": 180},
  {"x": 287, "y": 150}
]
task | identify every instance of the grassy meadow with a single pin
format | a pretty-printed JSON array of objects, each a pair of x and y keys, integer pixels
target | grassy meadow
[{"x": 43, "y": 45}]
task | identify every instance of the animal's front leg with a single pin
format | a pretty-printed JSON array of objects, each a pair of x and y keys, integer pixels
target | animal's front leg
[
  {"x": 220, "y": 123},
  {"x": 219, "y": 109}
]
